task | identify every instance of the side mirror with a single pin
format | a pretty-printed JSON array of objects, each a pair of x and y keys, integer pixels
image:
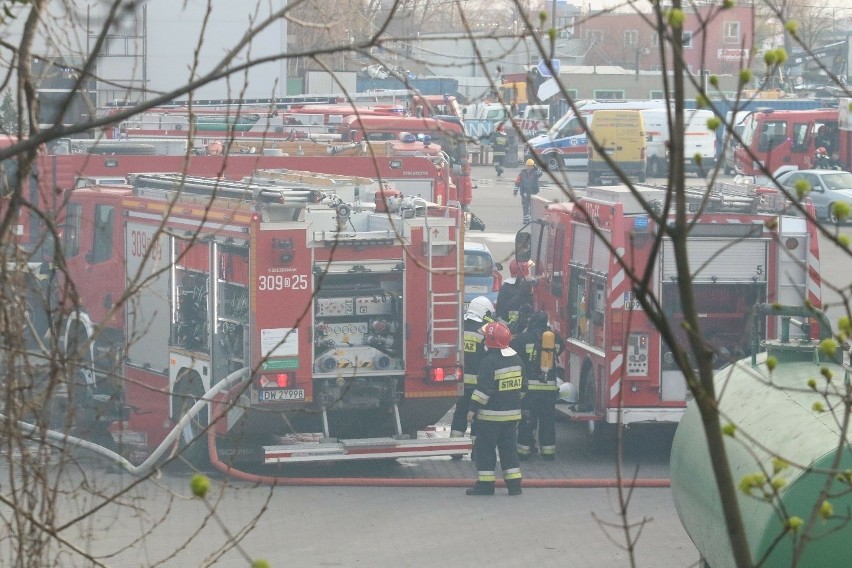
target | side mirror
[{"x": 523, "y": 246}]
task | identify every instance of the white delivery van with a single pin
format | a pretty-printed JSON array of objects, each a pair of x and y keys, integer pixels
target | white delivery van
[{"x": 698, "y": 140}]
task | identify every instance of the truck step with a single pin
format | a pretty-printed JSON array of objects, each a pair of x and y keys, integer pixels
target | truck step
[
  {"x": 570, "y": 411},
  {"x": 366, "y": 448}
]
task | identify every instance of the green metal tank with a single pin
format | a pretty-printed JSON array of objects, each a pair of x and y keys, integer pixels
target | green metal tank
[{"x": 776, "y": 409}]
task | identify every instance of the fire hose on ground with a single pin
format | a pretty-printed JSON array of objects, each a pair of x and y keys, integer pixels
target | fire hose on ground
[{"x": 240, "y": 377}]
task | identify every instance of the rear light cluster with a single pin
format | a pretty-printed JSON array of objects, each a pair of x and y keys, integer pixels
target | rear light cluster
[
  {"x": 279, "y": 380},
  {"x": 440, "y": 375}
]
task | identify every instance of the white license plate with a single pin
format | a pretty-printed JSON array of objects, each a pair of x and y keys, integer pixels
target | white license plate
[
  {"x": 269, "y": 395},
  {"x": 472, "y": 289}
]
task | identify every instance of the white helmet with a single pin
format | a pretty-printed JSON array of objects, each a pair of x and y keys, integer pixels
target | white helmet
[
  {"x": 478, "y": 308},
  {"x": 568, "y": 393}
]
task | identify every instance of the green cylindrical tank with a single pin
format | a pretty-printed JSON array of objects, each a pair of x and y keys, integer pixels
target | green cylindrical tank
[{"x": 777, "y": 409}]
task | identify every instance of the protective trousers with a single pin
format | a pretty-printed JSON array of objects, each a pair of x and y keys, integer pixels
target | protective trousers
[
  {"x": 493, "y": 437},
  {"x": 526, "y": 199},
  {"x": 459, "y": 423},
  {"x": 539, "y": 414}
]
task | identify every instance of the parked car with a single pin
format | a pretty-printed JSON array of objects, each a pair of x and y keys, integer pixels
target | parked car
[
  {"x": 481, "y": 274},
  {"x": 827, "y": 188}
]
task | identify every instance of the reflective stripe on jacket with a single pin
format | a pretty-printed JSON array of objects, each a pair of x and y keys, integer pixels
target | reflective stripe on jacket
[{"x": 497, "y": 397}]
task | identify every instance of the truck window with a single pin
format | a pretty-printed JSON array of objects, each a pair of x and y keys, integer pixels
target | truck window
[
  {"x": 71, "y": 231},
  {"x": 772, "y": 133},
  {"x": 571, "y": 128},
  {"x": 553, "y": 254},
  {"x": 102, "y": 241},
  {"x": 800, "y": 137},
  {"x": 749, "y": 130}
]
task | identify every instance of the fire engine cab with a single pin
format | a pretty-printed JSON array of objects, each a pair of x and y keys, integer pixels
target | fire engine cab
[
  {"x": 339, "y": 302},
  {"x": 615, "y": 361}
]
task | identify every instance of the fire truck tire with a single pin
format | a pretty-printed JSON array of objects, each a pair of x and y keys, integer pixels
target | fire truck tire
[
  {"x": 193, "y": 439},
  {"x": 586, "y": 397}
]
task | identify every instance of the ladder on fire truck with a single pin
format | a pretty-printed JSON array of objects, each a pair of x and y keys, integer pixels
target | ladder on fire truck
[
  {"x": 181, "y": 185},
  {"x": 440, "y": 325}
]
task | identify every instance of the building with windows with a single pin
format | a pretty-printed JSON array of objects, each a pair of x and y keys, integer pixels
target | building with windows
[{"x": 715, "y": 41}]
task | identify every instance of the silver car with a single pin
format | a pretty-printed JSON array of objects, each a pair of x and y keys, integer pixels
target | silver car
[{"x": 827, "y": 188}]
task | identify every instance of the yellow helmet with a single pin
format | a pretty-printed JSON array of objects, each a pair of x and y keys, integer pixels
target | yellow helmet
[{"x": 530, "y": 162}]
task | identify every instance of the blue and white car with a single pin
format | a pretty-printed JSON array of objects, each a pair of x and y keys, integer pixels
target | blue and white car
[{"x": 481, "y": 274}]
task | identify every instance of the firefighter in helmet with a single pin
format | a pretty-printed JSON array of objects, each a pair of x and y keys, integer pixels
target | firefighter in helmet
[
  {"x": 539, "y": 347},
  {"x": 515, "y": 293},
  {"x": 479, "y": 312},
  {"x": 496, "y": 405}
]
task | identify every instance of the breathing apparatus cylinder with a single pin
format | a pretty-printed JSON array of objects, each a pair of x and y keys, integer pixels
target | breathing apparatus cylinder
[{"x": 548, "y": 350}]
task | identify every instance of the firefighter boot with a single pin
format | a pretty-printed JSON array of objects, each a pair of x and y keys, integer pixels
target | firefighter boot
[
  {"x": 482, "y": 488},
  {"x": 514, "y": 486}
]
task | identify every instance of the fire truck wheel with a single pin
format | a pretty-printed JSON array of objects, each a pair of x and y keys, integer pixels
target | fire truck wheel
[
  {"x": 586, "y": 398},
  {"x": 193, "y": 438}
]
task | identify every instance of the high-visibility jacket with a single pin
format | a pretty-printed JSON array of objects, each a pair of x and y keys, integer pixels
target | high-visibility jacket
[
  {"x": 514, "y": 293},
  {"x": 474, "y": 350},
  {"x": 497, "y": 397}
]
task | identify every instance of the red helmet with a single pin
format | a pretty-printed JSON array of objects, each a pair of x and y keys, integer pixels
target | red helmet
[
  {"x": 497, "y": 335},
  {"x": 521, "y": 269}
]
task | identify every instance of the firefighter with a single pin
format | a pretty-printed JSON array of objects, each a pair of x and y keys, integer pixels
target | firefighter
[
  {"x": 527, "y": 185},
  {"x": 539, "y": 347},
  {"x": 496, "y": 405},
  {"x": 515, "y": 292},
  {"x": 501, "y": 140},
  {"x": 479, "y": 312}
]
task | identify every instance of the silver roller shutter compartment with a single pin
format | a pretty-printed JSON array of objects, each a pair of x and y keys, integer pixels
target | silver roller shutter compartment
[{"x": 743, "y": 260}]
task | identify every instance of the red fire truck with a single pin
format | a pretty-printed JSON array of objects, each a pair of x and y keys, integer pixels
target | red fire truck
[
  {"x": 790, "y": 138},
  {"x": 615, "y": 361},
  {"x": 231, "y": 123},
  {"x": 342, "y": 312},
  {"x": 447, "y": 131},
  {"x": 411, "y": 172},
  {"x": 428, "y": 177}
]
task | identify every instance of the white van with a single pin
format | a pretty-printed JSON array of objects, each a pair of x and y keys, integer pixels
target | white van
[{"x": 698, "y": 139}]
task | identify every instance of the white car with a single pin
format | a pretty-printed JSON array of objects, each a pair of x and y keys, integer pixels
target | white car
[{"x": 827, "y": 188}]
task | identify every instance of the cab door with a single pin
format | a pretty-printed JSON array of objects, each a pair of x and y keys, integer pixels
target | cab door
[
  {"x": 802, "y": 143},
  {"x": 94, "y": 255}
]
